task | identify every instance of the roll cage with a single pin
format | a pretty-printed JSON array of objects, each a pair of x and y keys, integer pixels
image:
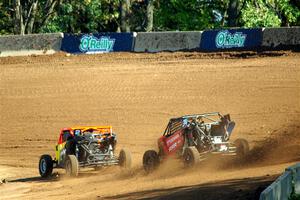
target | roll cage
[
  {"x": 65, "y": 133},
  {"x": 179, "y": 123}
]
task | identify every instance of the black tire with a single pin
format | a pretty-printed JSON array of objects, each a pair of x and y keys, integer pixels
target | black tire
[
  {"x": 242, "y": 147},
  {"x": 150, "y": 161},
  {"x": 71, "y": 165},
  {"x": 191, "y": 156},
  {"x": 45, "y": 166},
  {"x": 125, "y": 158}
]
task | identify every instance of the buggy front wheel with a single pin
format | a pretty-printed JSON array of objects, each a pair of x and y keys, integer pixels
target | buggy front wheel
[
  {"x": 242, "y": 147},
  {"x": 71, "y": 165},
  {"x": 190, "y": 156},
  {"x": 150, "y": 161},
  {"x": 125, "y": 158},
  {"x": 45, "y": 166}
]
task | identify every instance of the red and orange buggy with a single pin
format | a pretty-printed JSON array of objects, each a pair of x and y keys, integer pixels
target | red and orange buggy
[
  {"x": 194, "y": 137},
  {"x": 88, "y": 146}
]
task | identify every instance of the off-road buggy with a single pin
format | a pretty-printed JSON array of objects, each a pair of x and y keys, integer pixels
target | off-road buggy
[
  {"x": 195, "y": 137},
  {"x": 78, "y": 147}
]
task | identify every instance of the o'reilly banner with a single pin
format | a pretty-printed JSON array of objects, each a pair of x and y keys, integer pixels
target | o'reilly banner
[
  {"x": 231, "y": 39},
  {"x": 97, "y": 43},
  {"x": 93, "y": 44}
]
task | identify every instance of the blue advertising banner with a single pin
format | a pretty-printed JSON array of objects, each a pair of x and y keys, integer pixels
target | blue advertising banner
[
  {"x": 231, "y": 39},
  {"x": 97, "y": 43}
]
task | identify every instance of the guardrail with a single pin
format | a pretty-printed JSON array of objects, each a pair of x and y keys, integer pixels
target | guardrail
[
  {"x": 239, "y": 39},
  {"x": 282, "y": 187}
]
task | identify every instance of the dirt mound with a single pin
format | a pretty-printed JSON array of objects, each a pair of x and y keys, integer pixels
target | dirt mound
[{"x": 65, "y": 58}]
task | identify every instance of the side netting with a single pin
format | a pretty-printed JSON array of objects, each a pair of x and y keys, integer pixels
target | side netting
[
  {"x": 167, "y": 41},
  {"x": 281, "y": 38},
  {"x": 231, "y": 39},
  {"x": 97, "y": 43},
  {"x": 33, "y": 44}
]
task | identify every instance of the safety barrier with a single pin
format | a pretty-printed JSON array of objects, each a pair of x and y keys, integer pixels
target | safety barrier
[
  {"x": 17, "y": 45},
  {"x": 97, "y": 43},
  {"x": 281, "y": 188},
  {"x": 281, "y": 38},
  {"x": 167, "y": 41},
  {"x": 211, "y": 40},
  {"x": 231, "y": 39},
  {"x": 295, "y": 170}
]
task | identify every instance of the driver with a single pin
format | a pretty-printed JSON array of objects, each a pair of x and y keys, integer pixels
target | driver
[{"x": 224, "y": 124}]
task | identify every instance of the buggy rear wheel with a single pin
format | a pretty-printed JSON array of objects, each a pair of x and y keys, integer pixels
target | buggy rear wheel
[
  {"x": 150, "y": 161},
  {"x": 191, "y": 156},
  {"x": 242, "y": 147},
  {"x": 45, "y": 166},
  {"x": 71, "y": 166},
  {"x": 125, "y": 158}
]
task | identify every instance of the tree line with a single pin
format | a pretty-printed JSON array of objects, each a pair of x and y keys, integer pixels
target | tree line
[{"x": 88, "y": 16}]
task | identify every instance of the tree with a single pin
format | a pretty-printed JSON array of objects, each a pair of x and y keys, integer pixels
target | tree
[
  {"x": 6, "y": 24},
  {"x": 85, "y": 16},
  {"x": 28, "y": 13},
  {"x": 186, "y": 15},
  {"x": 233, "y": 13},
  {"x": 149, "y": 15},
  {"x": 270, "y": 13},
  {"x": 125, "y": 15}
]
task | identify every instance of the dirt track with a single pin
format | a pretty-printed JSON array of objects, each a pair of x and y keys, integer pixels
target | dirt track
[{"x": 137, "y": 94}]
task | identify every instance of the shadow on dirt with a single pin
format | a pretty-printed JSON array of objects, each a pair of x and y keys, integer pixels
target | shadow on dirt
[
  {"x": 52, "y": 178},
  {"x": 246, "y": 189}
]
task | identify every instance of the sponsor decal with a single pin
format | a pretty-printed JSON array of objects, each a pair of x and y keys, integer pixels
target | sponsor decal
[
  {"x": 174, "y": 142},
  {"x": 89, "y": 43},
  {"x": 172, "y": 147},
  {"x": 225, "y": 39},
  {"x": 172, "y": 139}
]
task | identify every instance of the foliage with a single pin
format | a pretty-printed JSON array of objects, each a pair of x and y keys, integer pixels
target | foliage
[
  {"x": 259, "y": 16},
  {"x": 186, "y": 15},
  {"x": 6, "y": 25},
  {"x": 83, "y": 16},
  {"x": 294, "y": 197},
  {"x": 269, "y": 13}
]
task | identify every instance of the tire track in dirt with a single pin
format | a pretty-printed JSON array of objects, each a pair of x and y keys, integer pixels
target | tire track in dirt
[{"x": 137, "y": 94}]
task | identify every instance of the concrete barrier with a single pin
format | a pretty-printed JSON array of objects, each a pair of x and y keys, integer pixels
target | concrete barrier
[
  {"x": 167, "y": 41},
  {"x": 280, "y": 189},
  {"x": 20, "y": 45},
  {"x": 295, "y": 170},
  {"x": 281, "y": 38}
]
